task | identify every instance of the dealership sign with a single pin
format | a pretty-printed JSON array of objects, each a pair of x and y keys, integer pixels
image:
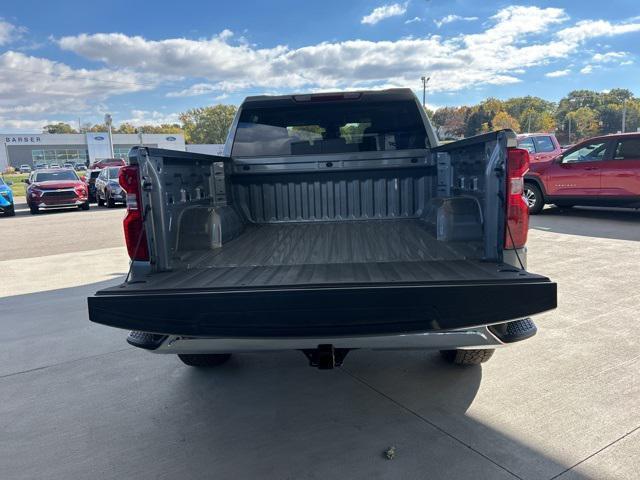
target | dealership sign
[{"x": 22, "y": 139}]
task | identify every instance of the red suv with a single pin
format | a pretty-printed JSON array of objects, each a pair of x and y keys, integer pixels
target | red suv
[
  {"x": 600, "y": 171},
  {"x": 107, "y": 162},
  {"x": 56, "y": 188},
  {"x": 541, "y": 146}
]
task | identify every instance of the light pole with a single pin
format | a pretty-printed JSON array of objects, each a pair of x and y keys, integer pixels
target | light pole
[
  {"x": 108, "y": 121},
  {"x": 569, "y": 119},
  {"x": 624, "y": 115},
  {"x": 425, "y": 80}
]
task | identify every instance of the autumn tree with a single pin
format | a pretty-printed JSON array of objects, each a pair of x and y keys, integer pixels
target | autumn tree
[
  {"x": 208, "y": 124},
  {"x": 59, "y": 127},
  {"x": 503, "y": 120}
]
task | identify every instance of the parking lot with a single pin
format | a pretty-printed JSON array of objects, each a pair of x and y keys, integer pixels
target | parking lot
[{"x": 77, "y": 402}]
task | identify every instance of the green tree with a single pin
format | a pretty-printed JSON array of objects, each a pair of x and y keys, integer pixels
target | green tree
[
  {"x": 125, "y": 128},
  {"x": 207, "y": 124},
  {"x": 59, "y": 127},
  {"x": 584, "y": 123}
]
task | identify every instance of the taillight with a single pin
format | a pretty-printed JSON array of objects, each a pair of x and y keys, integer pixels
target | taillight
[
  {"x": 134, "y": 233},
  {"x": 515, "y": 235}
]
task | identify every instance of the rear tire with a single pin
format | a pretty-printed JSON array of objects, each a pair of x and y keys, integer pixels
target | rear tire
[
  {"x": 204, "y": 360},
  {"x": 100, "y": 201},
  {"x": 533, "y": 196},
  {"x": 11, "y": 211},
  {"x": 34, "y": 210},
  {"x": 467, "y": 357},
  {"x": 109, "y": 200}
]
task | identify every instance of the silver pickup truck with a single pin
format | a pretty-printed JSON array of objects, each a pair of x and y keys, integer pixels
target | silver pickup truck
[{"x": 332, "y": 222}]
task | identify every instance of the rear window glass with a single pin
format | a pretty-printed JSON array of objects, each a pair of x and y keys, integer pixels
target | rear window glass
[
  {"x": 61, "y": 175},
  {"x": 329, "y": 127},
  {"x": 628, "y": 149},
  {"x": 544, "y": 144},
  {"x": 527, "y": 144}
]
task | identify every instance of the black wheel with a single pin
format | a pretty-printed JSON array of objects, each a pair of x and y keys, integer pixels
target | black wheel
[
  {"x": 84, "y": 206},
  {"x": 204, "y": 360},
  {"x": 100, "y": 200},
  {"x": 11, "y": 211},
  {"x": 109, "y": 200},
  {"x": 33, "y": 209},
  {"x": 534, "y": 198},
  {"x": 467, "y": 357}
]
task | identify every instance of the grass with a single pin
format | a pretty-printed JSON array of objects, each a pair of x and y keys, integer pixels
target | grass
[{"x": 18, "y": 186}]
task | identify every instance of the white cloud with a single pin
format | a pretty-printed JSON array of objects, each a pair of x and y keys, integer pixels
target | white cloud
[
  {"x": 9, "y": 32},
  {"x": 453, "y": 18},
  {"x": 587, "y": 29},
  {"x": 558, "y": 73},
  {"x": 609, "y": 57},
  {"x": 33, "y": 88},
  {"x": 505, "y": 49},
  {"x": 413, "y": 20},
  {"x": 586, "y": 70},
  {"x": 385, "y": 11},
  {"x": 151, "y": 117}
]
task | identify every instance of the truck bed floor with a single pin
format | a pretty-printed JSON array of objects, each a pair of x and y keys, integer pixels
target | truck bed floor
[{"x": 357, "y": 252}]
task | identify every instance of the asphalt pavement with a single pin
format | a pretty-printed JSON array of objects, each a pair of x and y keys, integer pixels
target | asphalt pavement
[{"x": 77, "y": 402}]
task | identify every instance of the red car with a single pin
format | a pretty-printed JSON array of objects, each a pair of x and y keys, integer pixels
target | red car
[
  {"x": 541, "y": 146},
  {"x": 107, "y": 162},
  {"x": 600, "y": 171},
  {"x": 56, "y": 188}
]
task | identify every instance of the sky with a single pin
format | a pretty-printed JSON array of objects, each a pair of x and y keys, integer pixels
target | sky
[{"x": 145, "y": 62}]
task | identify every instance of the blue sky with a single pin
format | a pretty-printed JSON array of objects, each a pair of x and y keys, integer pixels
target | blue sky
[{"x": 147, "y": 61}]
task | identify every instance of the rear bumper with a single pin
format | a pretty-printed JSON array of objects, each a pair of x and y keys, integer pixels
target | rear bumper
[
  {"x": 465, "y": 339},
  {"x": 322, "y": 311}
]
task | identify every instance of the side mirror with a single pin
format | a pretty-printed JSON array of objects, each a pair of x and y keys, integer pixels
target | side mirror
[{"x": 9, "y": 183}]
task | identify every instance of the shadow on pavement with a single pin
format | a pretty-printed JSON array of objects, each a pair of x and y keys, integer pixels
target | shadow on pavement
[{"x": 621, "y": 224}]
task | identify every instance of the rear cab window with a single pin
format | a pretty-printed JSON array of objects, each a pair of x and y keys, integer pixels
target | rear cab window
[{"x": 304, "y": 128}]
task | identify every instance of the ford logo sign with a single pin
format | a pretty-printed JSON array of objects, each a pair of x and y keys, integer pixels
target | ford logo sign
[
  {"x": 98, "y": 138},
  {"x": 171, "y": 139}
]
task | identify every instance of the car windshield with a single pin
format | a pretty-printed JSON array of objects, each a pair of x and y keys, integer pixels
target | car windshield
[
  {"x": 95, "y": 173},
  {"x": 113, "y": 172},
  {"x": 329, "y": 127},
  {"x": 55, "y": 176}
]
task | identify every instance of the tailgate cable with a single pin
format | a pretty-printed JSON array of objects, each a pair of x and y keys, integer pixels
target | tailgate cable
[{"x": 135, "y": 252}]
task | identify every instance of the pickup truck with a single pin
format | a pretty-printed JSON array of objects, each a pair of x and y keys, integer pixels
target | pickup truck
[
  {"x": 331, "y": 222},
  {"x": 541, "y": 146},
  {"x": 601, "y": 171}
]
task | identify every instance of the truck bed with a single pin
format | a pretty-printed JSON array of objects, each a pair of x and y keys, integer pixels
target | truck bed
[
  {"x": 305, "y": 254},
  {"x": 322, "y": 279}
]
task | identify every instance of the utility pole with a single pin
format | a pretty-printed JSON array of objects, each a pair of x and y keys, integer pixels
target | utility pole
[
  {"x": 108, "y": 121},
  {"x": 425, "y": 80},
  {"x": 529, "y": 123},
  {"x": 569, "y": 118},
  {"x": 624, "y": 115}
]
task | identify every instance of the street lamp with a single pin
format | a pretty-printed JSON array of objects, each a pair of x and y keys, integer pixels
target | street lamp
[
  {"x": 108, "y": 122},
  {"x": 425, "y": 80},
  {"x": 624, "y": 115}
]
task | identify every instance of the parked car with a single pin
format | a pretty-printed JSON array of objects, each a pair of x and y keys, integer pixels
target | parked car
[
  {"x": 90, "y": 180},
  {"x": 108, "y": 189},
  {"x": 600, "y": 171},
  {"x": 541, "y": 146},
  {"x": 79, "y": 167},
  {"x": 56, "y": 188},
  {"x": 40, "y": 166},
  {"x": 25, "y": 168},
  {"x": 7, "y": 206},
  {"x": 68, "y": 165},
  {"x": 107, "y": 162},
  {"x": 301, "y": 237},
  {"x": 54, "y": 165}
]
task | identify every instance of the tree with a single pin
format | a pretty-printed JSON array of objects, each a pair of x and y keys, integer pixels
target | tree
[
  {"x": 207, "y": 124},
  {"x": 584, "y": 122},
  {"x": 503, "y": 120},
  {"x": 59, "y": 127},
  {"x": 451, "y": 121},
  {"x": 125, "y": 128}
]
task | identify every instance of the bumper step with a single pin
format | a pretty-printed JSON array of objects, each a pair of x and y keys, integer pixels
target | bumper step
[
  {"x": 148, "y": 341},
  {"x": 515, "y": 331}
]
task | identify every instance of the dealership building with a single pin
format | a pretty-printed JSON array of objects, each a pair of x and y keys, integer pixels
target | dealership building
[{"x": 45, "y": 148}]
